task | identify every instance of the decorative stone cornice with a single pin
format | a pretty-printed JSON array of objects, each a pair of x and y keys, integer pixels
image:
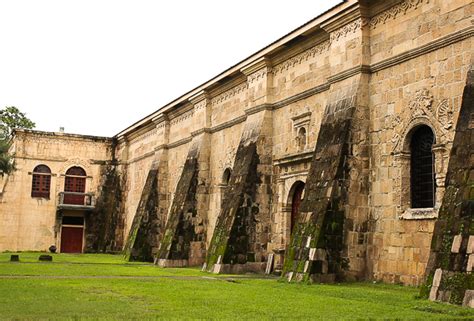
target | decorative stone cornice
[
  {"x": 257, "y": 70},
  {"x": 186, "y": 115},
  {"x": 343, "y": 19},
  {"x": 395, "y": 11},
  {"x": 229, "y": 93},
  {"x": 257, "y": 65},
  {"x": 143, "y": 136},
  {"x": 260, "y": 74},
  {"x": 352, "y": 27},
  {"x": 304, "y": 56},
  {"x": 200, "y": 99}
]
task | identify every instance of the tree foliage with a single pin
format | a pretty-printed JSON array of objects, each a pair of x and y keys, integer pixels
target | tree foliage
[
  {"x": 6, "y": 164},
  {"x": 10, "y": 118}
]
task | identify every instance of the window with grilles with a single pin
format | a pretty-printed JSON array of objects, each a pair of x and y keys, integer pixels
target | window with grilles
[
  {"x": 75, "y": 186},
  {"x": 422, "y": 174},
  {"x": 41, "y": 183}
]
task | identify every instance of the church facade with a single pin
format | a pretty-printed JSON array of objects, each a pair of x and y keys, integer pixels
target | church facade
[{"x": 323, "y": 156}]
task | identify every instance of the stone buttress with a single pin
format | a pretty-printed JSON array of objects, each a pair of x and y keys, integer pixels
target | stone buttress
[
  {"x": 242, "y": 228},
  {"x": 105, "y": 223},
  {"x": 451, "y": 262},
  {"x": 184, "y": 237},
  {"x": 316, "y": 244},
  {"x": 148, "y": 221}
]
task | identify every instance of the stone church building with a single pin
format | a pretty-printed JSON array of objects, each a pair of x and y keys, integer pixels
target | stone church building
[{"x": 327, "y": 155}]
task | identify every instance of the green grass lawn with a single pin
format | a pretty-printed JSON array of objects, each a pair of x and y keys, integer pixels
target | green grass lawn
[{"x": 105, "y": 287}]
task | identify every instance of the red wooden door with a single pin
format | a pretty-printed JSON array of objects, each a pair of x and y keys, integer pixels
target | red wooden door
[
  {"x": 75, "y": 183},
  {"x": 295, "y": 204},
  {"x": 71, "y": 239}
]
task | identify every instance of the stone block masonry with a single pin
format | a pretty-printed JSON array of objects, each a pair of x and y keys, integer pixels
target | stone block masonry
[
  {"x": 105, "y": 223},
  {"x": 320, "y": 225},
  {"x": 449, "y": 271},
  {"x": 242, "y": 229},
  {"x": 142, "y": 243},
  {"x": 184, "y": 237},
  {"x": 327, "y": 115}
]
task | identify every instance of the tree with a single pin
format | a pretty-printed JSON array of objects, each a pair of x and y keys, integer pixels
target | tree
[
  {"x": 10, "y": 118},
  {"x": 6, "y": 164}
]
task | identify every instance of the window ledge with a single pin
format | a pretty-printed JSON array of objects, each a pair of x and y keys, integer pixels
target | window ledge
[{"x": 419, "y": 214}]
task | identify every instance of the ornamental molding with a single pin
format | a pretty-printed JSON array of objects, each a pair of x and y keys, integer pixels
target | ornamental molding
[
  {"x": 182, "y": 117},
  {"x": 85, "y": 164},
  {"x": 229, "y": 93},
  {"x": 228, "y": 160},
  {"x": 259, "y": 74},
  {"x": 444, "y": 114},
  {"x": 302, "y": 57},
  {"x": 143, "y": 136},
  {"x": 200, "y": 105},
  {"x": 395, "y": 11},
  {"x": 421, "y": 111},
  {"x": 349, "y": 28}
]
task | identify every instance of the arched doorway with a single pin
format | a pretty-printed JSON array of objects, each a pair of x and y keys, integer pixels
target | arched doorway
[
  {"x": 75, "y": 186},
  {"x": 296, "y": 194}
]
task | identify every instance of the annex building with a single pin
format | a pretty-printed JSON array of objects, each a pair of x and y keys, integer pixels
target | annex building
[{"x": 345, "y": 149}]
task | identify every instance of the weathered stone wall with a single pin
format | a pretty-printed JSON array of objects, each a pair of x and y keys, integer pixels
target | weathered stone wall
[
  {"x": 221, "y": 158},
  {"x": 449, "y": 271},
  {"x": 405, "y": 62},
  {"x": 420, "y": 55},
  {"x": 105, "y": 223},
  {"x": 242, "y": 230},
  {"x": 30, "y": 223},
  {"x": 184, "y": 237},
  {"x": 315, "y": 250},
  {"x": 142, "y": 240}
]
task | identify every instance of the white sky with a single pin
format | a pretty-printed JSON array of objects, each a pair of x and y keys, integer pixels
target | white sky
[{"x": 97, "y": 66}]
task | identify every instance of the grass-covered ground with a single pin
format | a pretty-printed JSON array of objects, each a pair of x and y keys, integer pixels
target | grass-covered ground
[{"x": 105, "y": 287}]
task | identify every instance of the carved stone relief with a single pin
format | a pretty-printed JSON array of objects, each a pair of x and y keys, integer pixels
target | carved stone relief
[
  {"x": 422, "y": 110},
  {"x": 395, "y": 11}
]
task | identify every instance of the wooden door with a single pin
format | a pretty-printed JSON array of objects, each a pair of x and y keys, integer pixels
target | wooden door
[
  {"x": 295, "y": 204},
  {"x": 71, "y": 239}
]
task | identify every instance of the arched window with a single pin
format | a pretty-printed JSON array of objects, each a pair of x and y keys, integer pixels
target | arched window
[
  {"x": 422, "y": 174},
  {"x": 301, "y": 139},
  {"x": 41, "y": 183},
  {"x": 226, "y": 176},
  {"x": 75, "y": 186}
]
